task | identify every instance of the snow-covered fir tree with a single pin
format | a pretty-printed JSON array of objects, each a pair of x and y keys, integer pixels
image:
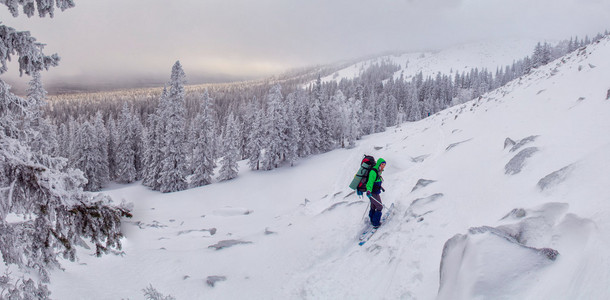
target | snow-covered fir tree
[
  {"x": 341, "y": 118},
  {"x": 305, "y": 134},
  {"x": 137, "y": 138},
  {"x": 352, "y": 124},
  {"x": 338, "y": 118},
  {"x": 101, "y": 134},
  {"x": 292, "y": 130},
  {"x": 89, "y": 158},
  {"x": 53, "y": 214},
  {"x": 37, "y": 131},
  {"x": 172, "y": 177},
  {"x": 204, "y": 143},
  {"x": 274, "y": 125},
  {"x": 228, "y": 164},
  {"x": 124, "y": 156},
  {"x": 314, "y": 119},
  {"x": 255, "y": 143},
  {"x": 111, "y": 134},
  {"x": 153, "y": 145}
]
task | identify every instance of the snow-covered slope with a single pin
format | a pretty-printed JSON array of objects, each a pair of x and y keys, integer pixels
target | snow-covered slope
[
  {"x": 491, "y": 218},
  {"x": 462, "y": 58}
]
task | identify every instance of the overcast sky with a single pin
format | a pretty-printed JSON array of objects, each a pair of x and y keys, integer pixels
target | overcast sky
[{"x": 143, "y": 38}]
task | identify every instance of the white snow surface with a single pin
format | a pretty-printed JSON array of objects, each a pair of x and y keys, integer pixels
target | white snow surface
[
  {"x": 292, "y": 233},
  {"x": 488, "y": 55}
]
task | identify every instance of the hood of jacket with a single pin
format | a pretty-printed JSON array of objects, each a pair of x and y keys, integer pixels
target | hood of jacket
[{"x": 379, "y": 162}]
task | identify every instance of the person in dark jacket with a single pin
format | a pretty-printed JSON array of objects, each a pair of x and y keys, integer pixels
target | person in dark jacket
[{"x": 373, "y": 191}]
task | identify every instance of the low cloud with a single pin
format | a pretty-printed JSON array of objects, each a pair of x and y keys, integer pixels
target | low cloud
[{"x": 244, "y": 38}]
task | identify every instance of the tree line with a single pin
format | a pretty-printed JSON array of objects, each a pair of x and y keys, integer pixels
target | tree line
[{"x": 175, "y": 140}]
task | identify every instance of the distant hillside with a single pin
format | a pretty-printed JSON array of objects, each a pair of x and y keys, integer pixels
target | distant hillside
[{"x": 482, "y": 55}]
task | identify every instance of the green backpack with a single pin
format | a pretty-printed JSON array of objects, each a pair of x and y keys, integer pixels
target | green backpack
[{"x": 362, "y": 176}]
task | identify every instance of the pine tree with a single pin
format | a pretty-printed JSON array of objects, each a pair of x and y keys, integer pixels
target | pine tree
[
  {"x": 353, "y": 131},
  {"x": 173, "y": 166},
  {"x": 313, "y": 125},
  {"x": 101, "y": 143},
  {"x": 124, "y": 157},
  {"x": 305, "y": 132},
  {"x": 137, "y": 144},
  {"x": 56, "y": 215},
  {"x": 203, "y": 160},
  {"x": 274, "y": 126},
  {"x": 254, "y": 146},
  {"x": 228, "y": 165},
  {"x": 339, "y": 118},
  {"x": 63, "y": 141},
  {"x": 292, "y": 130},
  {"x": 154, "y": 144},
  {"x": 89, "y": 159},
  {"x": 112, "y": 132},
  {"x": 151, "y": 156},
  {"x": 37, "y": 131}
]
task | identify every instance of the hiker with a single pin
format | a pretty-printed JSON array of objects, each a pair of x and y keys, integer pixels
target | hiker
[{"x": 373, "y": 191}]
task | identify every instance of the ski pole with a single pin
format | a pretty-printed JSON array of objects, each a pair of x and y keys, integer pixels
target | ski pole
[{"x": 371, "y": 197}]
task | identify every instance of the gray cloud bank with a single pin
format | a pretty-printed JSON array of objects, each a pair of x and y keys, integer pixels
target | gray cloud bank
[{"x": 117, "y": 40}]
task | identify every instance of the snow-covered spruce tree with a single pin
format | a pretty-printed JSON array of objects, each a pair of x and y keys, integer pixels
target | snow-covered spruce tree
[
  {"x": 153, "y": 145},
  {"x": 328, "y": 113},
  {"x": 203, "y": 160},
  {"x": 306, "y": 135},
  {"x": 152, "y": 154},
  {"x": 274, "y": 126},
  {"x": 379, "y": 111},
  {"x": 292, "y": 130},
  {"x": 89, "y": 158},
  {"x": 228, "y": 165},
  {"x": 341, "y": 116},
  {"x": 173, "y": 166},
  {"x": 352, "y": 130},
  {"x": 37, "y": 131},
  {"x": 56, "y": 214},
  {"x": 392, "y": 111},
  {"x": 368, "y": 112},
  {"x": 101, "y": 134},
  {"x": 254, "y": 145},
  {"x": 338, "y": 118},
  {"x": 63, "y": 141},
  {"x": 313, "y": 123},
  {"x": 124, "y": 156},
  {"x": 111, "y": 148},
  {"x": 137, "y": 144}
]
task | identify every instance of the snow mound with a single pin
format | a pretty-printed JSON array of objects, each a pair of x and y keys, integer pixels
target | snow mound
[
  {"x": 510, "y": 259},
  {"x": 488, "y": 263}
]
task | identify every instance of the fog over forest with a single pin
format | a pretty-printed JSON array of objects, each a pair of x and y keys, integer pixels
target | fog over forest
[{"x": 218, "y": 42}]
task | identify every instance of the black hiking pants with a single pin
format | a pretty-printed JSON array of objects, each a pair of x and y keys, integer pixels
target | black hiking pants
[
  {"x": 376, "y": 207},
  {"x": 376, "y": 202}
]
